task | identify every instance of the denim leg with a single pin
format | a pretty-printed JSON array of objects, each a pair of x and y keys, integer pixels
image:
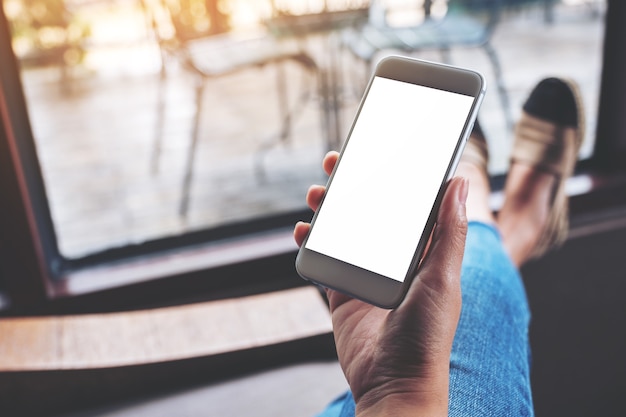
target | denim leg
[
  {"x": 342, "y": 406},
  {"x": 490, "y": 361}
]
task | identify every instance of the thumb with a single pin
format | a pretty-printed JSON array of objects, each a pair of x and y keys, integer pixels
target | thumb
[
  {"x": 432, "y": 307},
  {"x": 441, "y": 268}
]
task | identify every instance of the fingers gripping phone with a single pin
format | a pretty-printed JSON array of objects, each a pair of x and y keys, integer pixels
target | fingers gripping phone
[{"x": 381, "y": 202}]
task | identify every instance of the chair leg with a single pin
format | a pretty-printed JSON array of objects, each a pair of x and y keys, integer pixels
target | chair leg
[
  {"x": 283, "y": 105},
  {"x": 191, "y": 154},
  {"x": 336, "y": 92},
  {"x": 446, "y": 56},
  {"x": 287, "y": 117},
  {"x": 504, "y": 98},
  {"x": 548, "y": 11},
  {"x": 160, "y": 121},
  {"x": 285, "y": 121}
]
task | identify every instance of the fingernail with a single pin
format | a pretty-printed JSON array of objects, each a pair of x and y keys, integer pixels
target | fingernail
[{"x": 463, "y": 191}]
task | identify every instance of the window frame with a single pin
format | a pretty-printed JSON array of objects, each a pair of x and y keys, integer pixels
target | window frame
[
  {"x": 226, "y": 261},
  {"x": 35, "y": 272}
]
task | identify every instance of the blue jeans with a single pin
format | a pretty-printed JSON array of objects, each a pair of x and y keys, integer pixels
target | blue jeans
[{"x": 490, "y": 361}]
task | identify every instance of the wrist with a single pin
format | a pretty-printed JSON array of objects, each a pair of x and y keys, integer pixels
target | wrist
[
  {"x": 430, "y": 402},
  {"x": 402, "y": 405}
]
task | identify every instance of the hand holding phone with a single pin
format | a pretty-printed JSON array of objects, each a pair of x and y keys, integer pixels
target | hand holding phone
[
  {"x": 371, "y": 229},
  {"x": 410, "y": 345}
]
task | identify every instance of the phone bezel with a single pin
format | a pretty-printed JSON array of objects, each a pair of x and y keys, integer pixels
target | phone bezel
[{"x": 363, "y": 284}]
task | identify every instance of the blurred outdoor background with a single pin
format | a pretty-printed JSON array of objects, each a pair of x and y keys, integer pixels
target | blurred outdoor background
[{"x": 153, "y": 118}]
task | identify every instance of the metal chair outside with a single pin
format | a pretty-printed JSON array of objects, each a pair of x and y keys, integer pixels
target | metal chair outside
[
  {"x": 466, "y": 24},
  {"x": 210, "y": 57}
]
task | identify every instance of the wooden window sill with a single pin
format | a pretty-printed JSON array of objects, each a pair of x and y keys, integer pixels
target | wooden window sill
[{"x": 108, "y": 340}]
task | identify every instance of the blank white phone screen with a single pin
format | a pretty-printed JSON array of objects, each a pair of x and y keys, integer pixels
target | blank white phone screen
[{"x": 389, "y": 175}]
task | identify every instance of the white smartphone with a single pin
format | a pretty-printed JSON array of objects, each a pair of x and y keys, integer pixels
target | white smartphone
[{"x": 381, "y": 202}]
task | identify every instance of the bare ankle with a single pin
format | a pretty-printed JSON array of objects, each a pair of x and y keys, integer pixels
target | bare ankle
[{"x": 478, "y": 197}]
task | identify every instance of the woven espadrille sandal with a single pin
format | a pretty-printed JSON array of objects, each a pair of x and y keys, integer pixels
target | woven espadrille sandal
[{"x": 548, "y": 138}]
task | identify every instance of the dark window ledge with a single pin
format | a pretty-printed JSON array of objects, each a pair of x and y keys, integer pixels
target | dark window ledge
[
  {"x": 253, "y": 264},
  {"x": 264, "y": 261},
  {"x": 207, "y": 257},
  {"x": 589, "y": 190}
]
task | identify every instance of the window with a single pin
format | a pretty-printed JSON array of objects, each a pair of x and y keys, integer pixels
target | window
[
  {"x": 106, "y": 162},
  {"x": 95, "y": 67}
]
